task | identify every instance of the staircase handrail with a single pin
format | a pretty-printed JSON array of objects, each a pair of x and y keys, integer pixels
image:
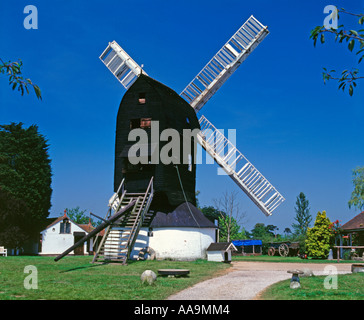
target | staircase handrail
[{"x": 138, "y": 222}]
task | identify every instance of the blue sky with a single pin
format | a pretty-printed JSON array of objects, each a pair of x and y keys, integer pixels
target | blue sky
[{"x": 301, "y": 134}]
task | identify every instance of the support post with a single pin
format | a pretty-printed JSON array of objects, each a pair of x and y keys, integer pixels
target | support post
[{"x": 102, "y": 226}]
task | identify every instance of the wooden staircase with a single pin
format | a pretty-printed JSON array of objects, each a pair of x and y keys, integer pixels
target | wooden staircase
[{"x": 119, "y": 238}]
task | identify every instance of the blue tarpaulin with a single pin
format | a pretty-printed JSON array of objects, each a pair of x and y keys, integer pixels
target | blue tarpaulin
[{"x": 238, "y": 243}]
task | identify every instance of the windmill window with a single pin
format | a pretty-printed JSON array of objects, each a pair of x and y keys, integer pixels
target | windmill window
[
  {"x": 145, "y": 123},
  {"x": 141, "y": 99}
]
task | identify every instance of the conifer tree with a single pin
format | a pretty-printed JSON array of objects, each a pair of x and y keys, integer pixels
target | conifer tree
[
  {"x": 25, "y": 173},
  {"x": 303, "y": 216},
  {"x": 319, "y": 237}
]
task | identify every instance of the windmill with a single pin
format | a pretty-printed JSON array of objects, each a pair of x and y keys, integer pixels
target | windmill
[{"x": 151, "y": 186}]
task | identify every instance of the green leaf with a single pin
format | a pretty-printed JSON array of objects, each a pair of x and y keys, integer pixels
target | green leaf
[
  {"x": 37, "y": 92},
  {"x": 351, "y": 45},
  {"x": 351, "y": 90},
  {"x": 322, "y": 38}
]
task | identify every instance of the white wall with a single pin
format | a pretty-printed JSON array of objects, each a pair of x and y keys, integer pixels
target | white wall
[
  {"x": 176, "y": 243},
  {"x": 54, "y": 242},
  {"x": 218, "y": 256},
  {"x": 215, "y": 256}
]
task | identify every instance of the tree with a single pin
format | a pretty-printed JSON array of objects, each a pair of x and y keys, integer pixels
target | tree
[
  {"x": 354, "y": 38},
  {"x": 14, "y": 221},
  {"x": 25, "y": 171},
  {"x": 212, "y": 213},
  {"x": 79, "y": 216},
  {"x": 197, "y": 201},
  {"x": 231, "y": 215},
  {"x": 303, "y": 216},
  {"x": 287, "y": 231},
  {"x": 16, "y": 79},
  {"x": 357, "y": 196},
  {"x": 229, "y": 229},
  {"x": 319, "y": 237},
  {"x": 263, "y": 232}
]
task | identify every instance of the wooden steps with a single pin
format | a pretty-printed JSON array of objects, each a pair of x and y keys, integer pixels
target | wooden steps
[{"x": 119, "y": 238}]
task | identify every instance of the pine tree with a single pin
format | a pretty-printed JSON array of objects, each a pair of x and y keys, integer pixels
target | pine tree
[{"x": 303, "y": 216}]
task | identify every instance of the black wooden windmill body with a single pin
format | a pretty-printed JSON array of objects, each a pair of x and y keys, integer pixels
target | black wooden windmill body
[{"x": 162, "y": 187}]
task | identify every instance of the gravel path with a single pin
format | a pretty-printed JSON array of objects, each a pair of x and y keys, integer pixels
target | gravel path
[{"x": 245, "y": 280}]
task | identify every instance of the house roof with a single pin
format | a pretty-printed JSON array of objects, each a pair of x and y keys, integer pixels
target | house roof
[
  {"x": 356, "y": 223},
  {"x": 221, "y": 246},
  {"x": 87, "y": 227},
  {"x": 185, "y": 215},
  {"x": 56, "y": 220}
]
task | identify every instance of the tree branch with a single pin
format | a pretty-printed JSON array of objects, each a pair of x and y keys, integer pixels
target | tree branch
[
  {"x": 13, "y": 71},
  {"x": 350, "y": 13}
]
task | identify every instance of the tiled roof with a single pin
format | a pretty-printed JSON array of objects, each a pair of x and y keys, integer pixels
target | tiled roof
[
  {"x": 356, "y": 223},
  {"x": 57, "y": 220}
]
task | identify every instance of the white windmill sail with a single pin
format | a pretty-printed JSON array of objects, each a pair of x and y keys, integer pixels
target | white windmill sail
[
  {"x": 224, "y": 63},
  {"x": 238, "y": 167},
  {"x": 121, "y": 65},
  {"x": 203, "y": 87}
]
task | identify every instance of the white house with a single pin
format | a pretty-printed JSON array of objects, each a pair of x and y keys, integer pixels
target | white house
[
  {"x": 183, "y": 234},
  {"x": 61, "y": 234}
]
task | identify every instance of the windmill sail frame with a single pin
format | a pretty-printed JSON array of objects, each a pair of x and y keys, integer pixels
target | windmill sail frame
[
  {"x": 239, "y": 168},
  {"x": 224, "y": 63},
  {"x": 121, "y": 65}
]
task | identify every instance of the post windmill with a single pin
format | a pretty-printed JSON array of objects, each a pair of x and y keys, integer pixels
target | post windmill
[{"x": 156, "y": 187}]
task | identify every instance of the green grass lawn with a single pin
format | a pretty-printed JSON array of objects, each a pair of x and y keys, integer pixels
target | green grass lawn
[
  {"x": 76, "y": 278},
  {"x": 349, "y": 287}
]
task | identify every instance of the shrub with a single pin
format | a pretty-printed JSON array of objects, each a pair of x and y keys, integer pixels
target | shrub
[{"x": 319, "y": 237}]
